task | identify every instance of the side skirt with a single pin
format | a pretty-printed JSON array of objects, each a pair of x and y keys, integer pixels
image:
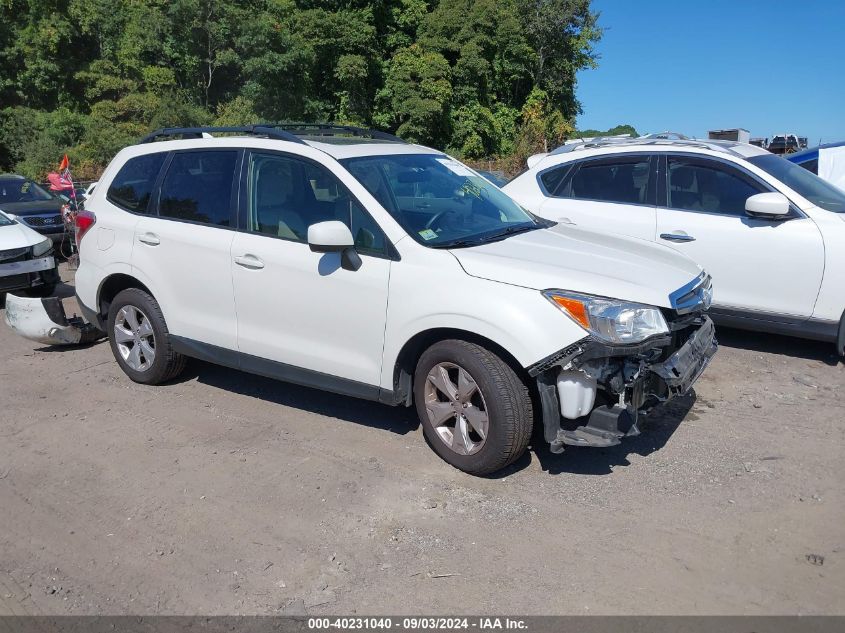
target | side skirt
[
  {"x": 283, "y": 371},
  {"x": 775, "y": 324}
]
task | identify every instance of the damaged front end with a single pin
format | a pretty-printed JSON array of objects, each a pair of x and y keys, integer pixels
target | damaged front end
[
  {"x": 593, "y": 393},
  {"x": 44, "y": 321}
]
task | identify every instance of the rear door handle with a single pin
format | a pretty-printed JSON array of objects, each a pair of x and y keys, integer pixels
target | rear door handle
[
  {"x": 150, "y": 239},
  {"x": 249, "y": 261},
  {"x": 677, "y": 237}
]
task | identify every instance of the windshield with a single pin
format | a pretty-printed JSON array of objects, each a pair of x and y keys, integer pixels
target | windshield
[
  {"x": 440, "y": 202},
  {"x": 18, "y": 190},
  {"x": 4, "y": 221},
  {"x": 820, "y": 192}
]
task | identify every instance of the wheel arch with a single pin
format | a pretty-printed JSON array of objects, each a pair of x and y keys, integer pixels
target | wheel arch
[
  {"x": 406, "y": 361},
  {"x": 111, "y": 286}
]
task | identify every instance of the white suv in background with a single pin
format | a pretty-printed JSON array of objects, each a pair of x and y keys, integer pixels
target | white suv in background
[
  {"x": 770, "y": 233},
  {"x": 350, "y": 261}
]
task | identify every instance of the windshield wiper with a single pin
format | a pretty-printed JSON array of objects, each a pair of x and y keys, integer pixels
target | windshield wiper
[
  {"x": 457, "y": 244},
  {"x": 511, "y": 230},
  {"x": 486, "y": 239}
]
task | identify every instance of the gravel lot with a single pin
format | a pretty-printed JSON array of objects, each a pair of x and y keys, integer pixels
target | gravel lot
[{"x": 226, "y": 493}]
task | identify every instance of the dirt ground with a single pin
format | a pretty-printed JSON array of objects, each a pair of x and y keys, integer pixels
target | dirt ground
[{"x": 225, "y": 493}]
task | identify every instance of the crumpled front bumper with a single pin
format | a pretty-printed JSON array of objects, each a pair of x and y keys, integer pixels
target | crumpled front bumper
[
  {"x": 631, "y": 379},
  {"x": 685, "y": 366},
  {"x": 44, "y": 321}
]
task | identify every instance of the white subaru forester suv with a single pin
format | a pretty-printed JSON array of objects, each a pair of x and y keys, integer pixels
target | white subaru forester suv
[
  {"x": 771, "y": 233},
  {"x": 350, "y": 261}
]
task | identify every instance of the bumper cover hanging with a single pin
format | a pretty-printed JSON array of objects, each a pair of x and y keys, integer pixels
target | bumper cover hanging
[{"x": 44, "y": 321}]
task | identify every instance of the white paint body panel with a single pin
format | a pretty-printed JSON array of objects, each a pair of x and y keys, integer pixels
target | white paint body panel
[
  {"x": 189, "y": 273},
  {"x": 18, "y": 235},
  {"x": 794, "y": 268},
  {"x": 832, "y": 165},
  {"x": 603, "y": 217},
  {"x": 304, "y": 310}
]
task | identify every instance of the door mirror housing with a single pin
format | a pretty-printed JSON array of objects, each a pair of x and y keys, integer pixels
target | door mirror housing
[
  {"x": 334, "y": 236},
  {"x": 767, "y": 206}
]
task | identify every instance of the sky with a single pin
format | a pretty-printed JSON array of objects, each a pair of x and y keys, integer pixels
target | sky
[{"x": 689, "y": 66}]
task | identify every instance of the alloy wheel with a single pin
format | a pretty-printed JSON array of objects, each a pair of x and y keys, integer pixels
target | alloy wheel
[
  {"x": 135, "y": 339},
  {"x": 456, "y": 408}
]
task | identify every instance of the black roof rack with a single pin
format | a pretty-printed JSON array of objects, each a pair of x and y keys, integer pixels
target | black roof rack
[
  {"x": 330, "y": 129},
  {"x": 270, "y": 131}
]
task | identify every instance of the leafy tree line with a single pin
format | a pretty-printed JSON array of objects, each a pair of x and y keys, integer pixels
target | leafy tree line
[{"x": 479, "y": 78}]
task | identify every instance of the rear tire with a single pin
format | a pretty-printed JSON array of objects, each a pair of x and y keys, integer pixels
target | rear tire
[
  {"x": 139, "y": 339},
  {"x": 475, "y": 411}
]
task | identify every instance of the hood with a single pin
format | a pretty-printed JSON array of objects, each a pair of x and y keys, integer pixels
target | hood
[
  {"x": 18, "y": 236},
  {"x": 569, "y": 258},
  {"x": 30, "y": 208}
]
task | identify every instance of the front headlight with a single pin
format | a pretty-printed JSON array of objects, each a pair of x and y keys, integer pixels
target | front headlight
[
  {"x": 610, "y": 320},
  {"x": 42, "y": 248}
]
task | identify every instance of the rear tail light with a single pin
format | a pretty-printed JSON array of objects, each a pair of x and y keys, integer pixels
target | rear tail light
[{"x": 84, "y": 221}]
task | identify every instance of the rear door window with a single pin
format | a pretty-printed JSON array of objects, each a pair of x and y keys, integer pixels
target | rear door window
[
  {"x": 624, "y": 180},
  {"x": 198, "y": 187},
  {"x": 131, "y": 187}
]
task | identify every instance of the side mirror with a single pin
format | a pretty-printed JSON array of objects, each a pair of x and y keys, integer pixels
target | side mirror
[
  {"x": 767, "y": 206},
  {"x": 334, "y": 237}
]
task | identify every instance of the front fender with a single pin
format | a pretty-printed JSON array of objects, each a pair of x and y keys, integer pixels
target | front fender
[{"x": 519, "y": 320}]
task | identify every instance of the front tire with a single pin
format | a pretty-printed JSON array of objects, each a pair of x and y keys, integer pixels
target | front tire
[
  {"x": 140, "y": 340},
  {"x": 475, "y": 410}
]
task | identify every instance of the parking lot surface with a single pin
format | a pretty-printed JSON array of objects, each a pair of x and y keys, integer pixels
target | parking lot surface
[{"x": 226, "y": 493}]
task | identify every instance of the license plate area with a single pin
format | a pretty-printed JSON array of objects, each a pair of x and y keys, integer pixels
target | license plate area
[
  {"x": 683, "y": 368},
  {"x": 27, "y": 266}
]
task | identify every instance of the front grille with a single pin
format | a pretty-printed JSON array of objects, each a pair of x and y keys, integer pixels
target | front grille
[
  {"x": 695, "y": 296},
  {"x": 13, "y": 282},
  {"x": 41, "y": 221},
  {"x": 14, "y": 255}
]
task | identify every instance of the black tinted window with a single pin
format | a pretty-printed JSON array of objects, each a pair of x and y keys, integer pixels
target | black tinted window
[
  {"x": 198, "y": 187},
  {"x": 622, "y": 181},
  {"x": 694, "y": 186},
  {"x": 287, "y": 195},
  {"x": 811, "y": 166},
  {"x": 553, "y": 178},
  {"x": 818, "y": 191},
  {"x": 132, "y": 186}
]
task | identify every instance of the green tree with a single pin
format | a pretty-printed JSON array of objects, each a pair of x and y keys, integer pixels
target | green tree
[
  {"x": 614, "y": 131},
  {"x": 480, "y": 77},
  {"x": 416, "y": 96},
  {"x": 562, "y": 34}
]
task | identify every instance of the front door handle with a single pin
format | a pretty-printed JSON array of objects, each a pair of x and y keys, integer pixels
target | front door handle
[
  {"x": 677, "y": 237},
  {"x": 150, "y": 239},
  {"x": 249, "y": 261}
]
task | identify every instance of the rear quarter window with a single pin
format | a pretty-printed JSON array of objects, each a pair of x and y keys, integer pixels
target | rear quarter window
[
  {"x": 132, "y": 186},
  {"x": 198, "y": 187}
]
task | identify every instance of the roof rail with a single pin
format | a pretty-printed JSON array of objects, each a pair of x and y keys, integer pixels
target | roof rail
[
  {"x": 330, "y": 129},
  {"x": 269, "y": 131},
  {"x": 668, "y": 136},
  {"x": 720, "y": 146}
]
